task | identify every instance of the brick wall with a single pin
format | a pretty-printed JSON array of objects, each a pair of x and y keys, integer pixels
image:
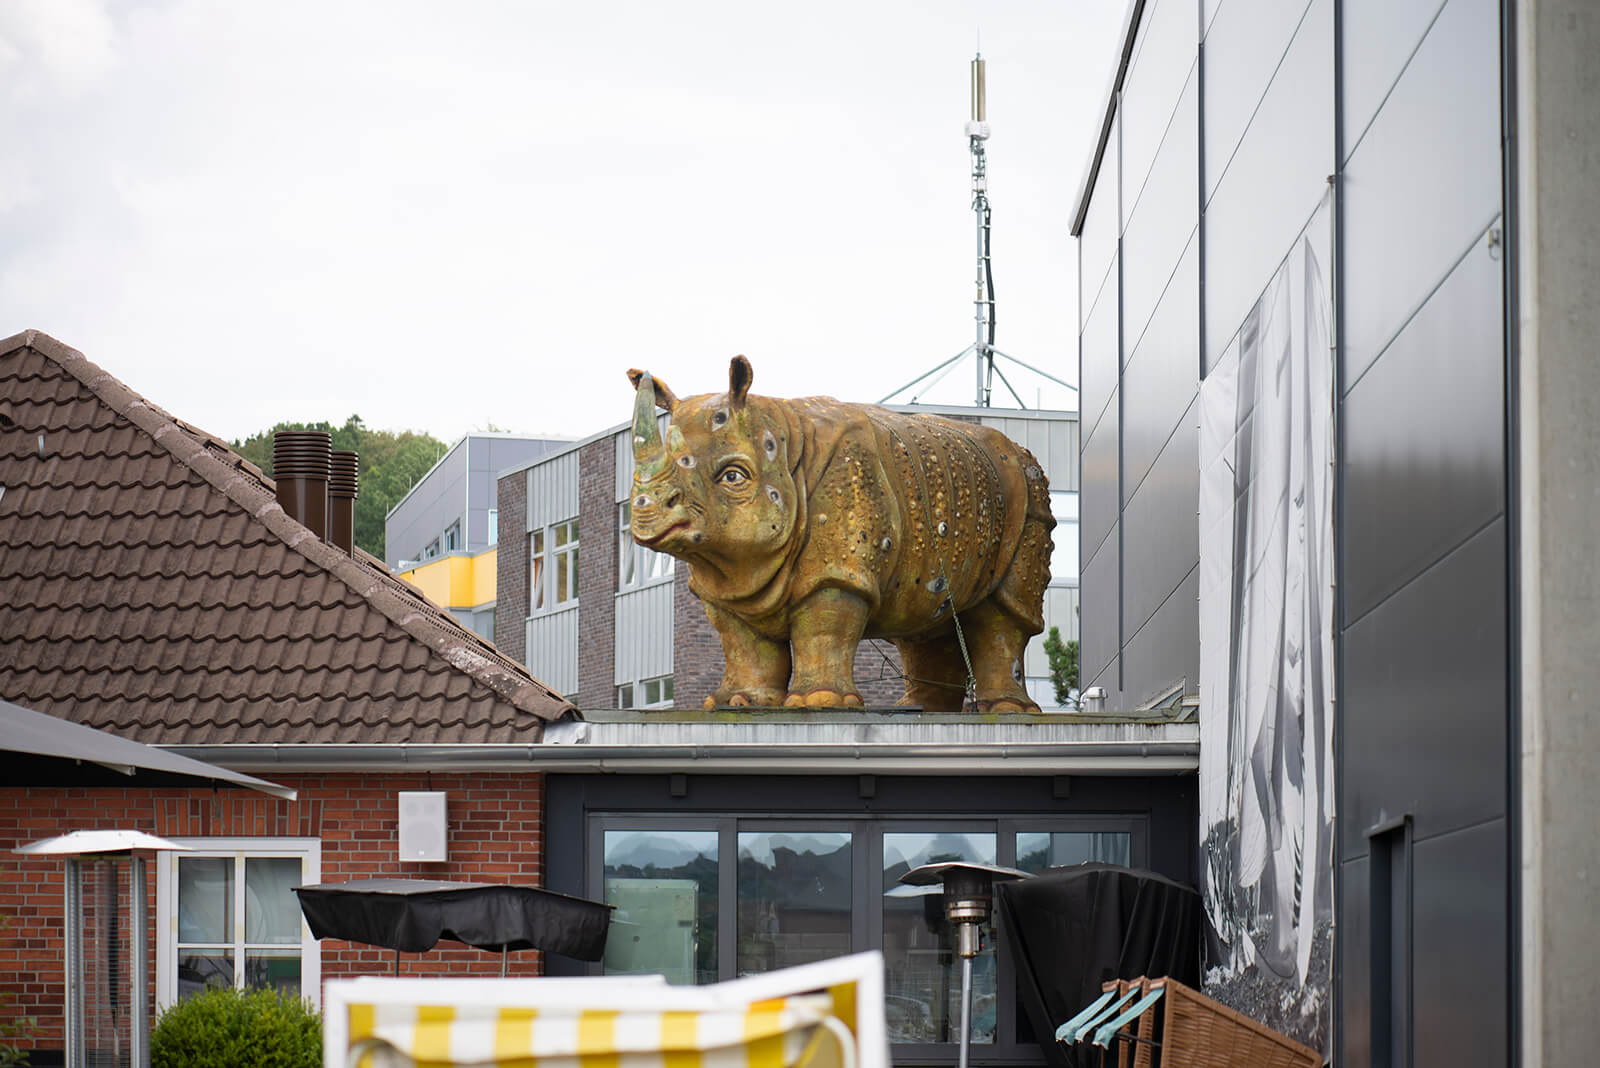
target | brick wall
[
  {"x": 597, "y": 573},
  {"x": 511, "y": 568},
  {"x": 496, "y": 835},
  {"x": 697, "y": 656}
]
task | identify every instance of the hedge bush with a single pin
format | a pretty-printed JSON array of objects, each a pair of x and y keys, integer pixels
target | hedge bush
[{"x": 225, "y": 1028}]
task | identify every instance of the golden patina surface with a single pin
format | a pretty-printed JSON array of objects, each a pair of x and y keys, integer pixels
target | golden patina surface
[{"x": 809, "y": 524}]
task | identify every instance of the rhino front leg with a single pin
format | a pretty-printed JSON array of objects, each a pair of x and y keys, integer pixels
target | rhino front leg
[
  {"x": 755, "y": 669},
  {"x": 824, "y": 631}
]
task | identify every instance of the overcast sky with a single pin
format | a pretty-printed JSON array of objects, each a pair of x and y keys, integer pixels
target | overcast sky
[{"x": 447, "y": 216}]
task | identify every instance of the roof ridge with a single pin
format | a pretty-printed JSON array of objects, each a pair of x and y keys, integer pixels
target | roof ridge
[{"x": 197, "y": 450}]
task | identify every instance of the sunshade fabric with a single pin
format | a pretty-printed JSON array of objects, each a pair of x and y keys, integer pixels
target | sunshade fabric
[
  {"x": 411, "y": 915},
  {"x": 767, "y": 1034},
  {"x": 1072, "y": 929},
  {"x": 38, "y": 735}
]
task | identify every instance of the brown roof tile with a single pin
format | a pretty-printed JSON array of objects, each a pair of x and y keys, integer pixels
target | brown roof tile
[{"x": 156, "y": 589}]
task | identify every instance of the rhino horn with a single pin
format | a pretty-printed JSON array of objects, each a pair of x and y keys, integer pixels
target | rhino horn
[{"x": 649, "y": 453}]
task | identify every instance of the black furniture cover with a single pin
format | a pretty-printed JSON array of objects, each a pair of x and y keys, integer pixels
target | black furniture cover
[
  {"x": 1071, "y": 929},
  {"x": 410, "y": 915}
]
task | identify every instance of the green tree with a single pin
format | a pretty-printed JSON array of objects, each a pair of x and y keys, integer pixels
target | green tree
[
  {"x": 391, "y": 463},
  {"x": 1063, "y": 664}
]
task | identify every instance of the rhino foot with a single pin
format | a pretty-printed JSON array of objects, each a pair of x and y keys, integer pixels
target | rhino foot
[
  {"x": 743, "y": 699},
  {"x": 1007, "y": 706},
  {"x": 822, "y": 699}
]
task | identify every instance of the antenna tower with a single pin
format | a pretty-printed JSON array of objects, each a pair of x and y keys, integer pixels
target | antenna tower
[{"x": 982, "y": 347}]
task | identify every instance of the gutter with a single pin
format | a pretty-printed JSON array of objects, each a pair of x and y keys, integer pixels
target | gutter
[{"x": 1057, "y": 758}]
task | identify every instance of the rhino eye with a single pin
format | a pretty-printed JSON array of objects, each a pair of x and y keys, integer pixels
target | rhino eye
[
  {"x": 719, "y": 418},
  {"x": 686, "y": 462},
  {"x": 775, "y": 497},
  {"x": 733, "y": 476},
  {"x": 771, "y": 445},
  {"x": 641, "y": 501}
]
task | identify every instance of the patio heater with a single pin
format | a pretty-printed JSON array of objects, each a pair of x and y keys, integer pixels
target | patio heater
[
  {"x": 968, "y": 904},
  {"x": 108, "y": 1016}
]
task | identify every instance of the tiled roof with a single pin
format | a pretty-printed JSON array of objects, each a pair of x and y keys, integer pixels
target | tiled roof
[{"x": 151, "y": 585}]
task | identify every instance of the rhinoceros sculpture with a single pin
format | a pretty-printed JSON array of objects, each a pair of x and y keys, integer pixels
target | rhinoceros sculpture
[{"x": 809, "y": 524}]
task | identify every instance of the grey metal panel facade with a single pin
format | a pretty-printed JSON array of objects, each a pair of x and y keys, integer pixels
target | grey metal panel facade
[
  {"x": 1159, "y": 380},
  {"x": 1425, "y": 459},
  {"x": 1161, "y": 225},
  {"x": 1459, "y": 958},
  {"x": 553, "y": 490},
  {"x": 487, "y": 456},
  {"x": 1424, "y": 700},
  {"x": 1099, "y": 505},
  {"x": 552, "y": 644},
  {"x": 1100, "y": 353},
  {"x": 1355, "y": 955},
  {"x": 1160, "y": 536},
  {"x": 1425, "y": 178},
  {"x": 1275, "y": 179},
  {"x": 1244, "y": 44},
  {"x": 1101, "y": 610},
  {"x": 1378, "y": 38},
  {"x": 436, "y": 501},
  {"x": 1164, "y": 53},
  {"x": 1097, "y": 244},
  {"x": 1165, "y": 651},
  {"x": 644, "y": 633}
]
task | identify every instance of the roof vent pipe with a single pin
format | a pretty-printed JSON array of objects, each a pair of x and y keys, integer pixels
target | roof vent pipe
[
  {"x": 300, "y": 465},
  {"x": 342, "y": 492}
]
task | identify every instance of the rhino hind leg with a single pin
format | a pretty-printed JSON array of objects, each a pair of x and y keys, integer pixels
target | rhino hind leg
[
  {"x": 936, "y": 675},
  {"x": 996, "y": 638},
  {"x": 755, "y": 670}
]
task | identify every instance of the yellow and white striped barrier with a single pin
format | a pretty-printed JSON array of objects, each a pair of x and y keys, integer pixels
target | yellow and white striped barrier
[{"x": 823, "y": 1015}]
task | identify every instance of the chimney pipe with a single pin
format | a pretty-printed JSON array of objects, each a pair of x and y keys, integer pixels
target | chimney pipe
[
  {"x": 343, "y": 488},
  {"x": 300, "y": 466}
]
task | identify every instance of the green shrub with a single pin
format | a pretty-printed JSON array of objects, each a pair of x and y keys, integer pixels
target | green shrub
[{"x": 226, "y": 1028}]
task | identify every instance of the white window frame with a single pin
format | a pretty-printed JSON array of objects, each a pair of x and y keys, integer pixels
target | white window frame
[
  {"x": 543, "y": 567},
  {"x": 309, "y": 850},
  {"x": 637, "y": 567},
  {"x": 636, "y": 692},
  {"x": 452, "y": 537}
]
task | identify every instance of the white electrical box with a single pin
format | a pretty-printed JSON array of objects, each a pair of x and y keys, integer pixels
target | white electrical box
[{"x": 423, "y": 824}]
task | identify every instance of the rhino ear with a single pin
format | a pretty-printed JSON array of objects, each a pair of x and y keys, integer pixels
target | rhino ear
[
  {"x": 739, "y": 378},
  {"x": 666, "y": 400}
]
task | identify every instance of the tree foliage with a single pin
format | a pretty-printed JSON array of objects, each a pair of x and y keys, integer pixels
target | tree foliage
[
  {"x": 1063, "y": 658},
  {"x": 391, "y": 463}
]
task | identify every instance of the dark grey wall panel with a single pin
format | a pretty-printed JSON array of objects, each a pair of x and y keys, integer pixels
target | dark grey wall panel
[
  {"x": 1355, "y": 962},
  {"x": 1102, "y": 224},
  {"x": 1424, "y": 708},
  {"x": 1160, "y": 535},
  {"x": 1098, "y": 609},
  {"x": 1098, "y": 491},
  {"x": 1160, "y": 378},
  {"x": 1165, "y": 52},
  {"x": 1425, "y": 181},
  {"x": 1424, "y": 454},
  {"x": 1164, "y": 220},
  {"x": 1460, "y": 988},
  {"x": 1166, "y": 650},
  {"x": 1100, "y": 355},
  {"x": 1244, "y": 45},
  {"x": 1276, "y": 179},
  {"x": 1379, "y": 37}
]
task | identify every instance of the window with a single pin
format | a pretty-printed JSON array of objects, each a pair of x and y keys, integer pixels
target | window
[
  {"x": 636, "y": 565},
  {"x": 432, "y": 550},
  {"x": 229, "y": 917},
  {"x": 808, "y": 888},
  {"x": 494, "y": 526},
  {"x": 553, "y": 567},
  {"x": 452, "y": 537},
  {"x": 647, "y": 693}
]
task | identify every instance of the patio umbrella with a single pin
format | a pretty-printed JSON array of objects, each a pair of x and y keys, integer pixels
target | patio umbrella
[{"x": 413, "y": 914}]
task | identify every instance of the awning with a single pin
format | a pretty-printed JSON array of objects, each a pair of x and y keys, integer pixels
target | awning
[
  {"x": 411, "y": 915},
  {"x": 41, "y": 750}
]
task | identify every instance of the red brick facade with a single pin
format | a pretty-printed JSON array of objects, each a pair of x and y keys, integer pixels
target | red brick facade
[{"x": 495, "y": 835}]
